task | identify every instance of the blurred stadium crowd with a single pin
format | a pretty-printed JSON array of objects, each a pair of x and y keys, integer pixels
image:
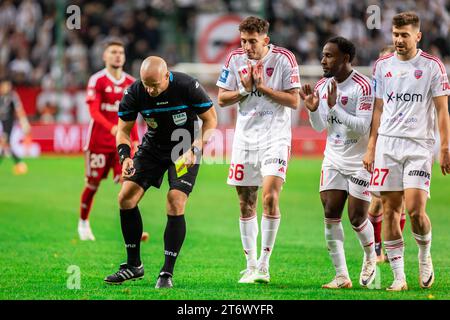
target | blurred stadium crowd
[{"x": 29, "y": 33}]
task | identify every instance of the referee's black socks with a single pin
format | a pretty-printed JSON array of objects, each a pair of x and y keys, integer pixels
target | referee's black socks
[
  {"x": 173, "y": 240},
  {"x": 131, "y": 222}
]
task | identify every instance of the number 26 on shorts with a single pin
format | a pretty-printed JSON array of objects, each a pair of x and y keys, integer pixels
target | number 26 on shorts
[
  {"x": 377, "y": 175},
  {"x": 236, "y": 172}
]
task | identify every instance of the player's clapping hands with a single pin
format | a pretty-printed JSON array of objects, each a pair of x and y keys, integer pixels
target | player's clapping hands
[
  {"x": 246, "y": 78},
  {"x": 332, "y": 94},
  {"x": 257, "y": 74},
  {"x": 310, "y": 97}
]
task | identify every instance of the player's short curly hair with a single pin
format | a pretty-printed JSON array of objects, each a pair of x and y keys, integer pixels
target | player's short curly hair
[
  {"x": 406, "y": 18},
  {"x": 254, "y": 24},
  {"x": 345, "y": 46}
]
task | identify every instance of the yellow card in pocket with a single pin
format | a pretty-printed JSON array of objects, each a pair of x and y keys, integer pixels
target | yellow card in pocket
[{"x": 180, "y": 167}]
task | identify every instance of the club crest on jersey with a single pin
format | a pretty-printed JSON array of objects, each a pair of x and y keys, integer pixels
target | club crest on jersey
[
  {"x": 151, "y": 123},
  {"x": 269, "y": 72},
  {"x": 180, "y": 118},
  {"x": 344, "y": 100},
  {"x": 418, "y": 74}
]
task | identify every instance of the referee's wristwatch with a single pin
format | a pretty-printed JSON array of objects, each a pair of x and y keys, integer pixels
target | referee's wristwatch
[{"x": 196, "y": 151}]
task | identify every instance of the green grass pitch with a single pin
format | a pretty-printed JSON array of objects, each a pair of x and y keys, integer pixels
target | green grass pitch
[{"x": 39, "y": 241}]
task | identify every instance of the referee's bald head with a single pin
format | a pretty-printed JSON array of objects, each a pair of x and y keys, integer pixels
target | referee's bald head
[
  {"x": 154, "y": 75},
  {"x": 152, "y": 68}
]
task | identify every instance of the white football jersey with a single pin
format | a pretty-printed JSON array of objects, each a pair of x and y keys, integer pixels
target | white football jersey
[
  {"x": 407, "y": 89},
  {"x": 347, "y": 123},
  {"x": 261, "y": 122}
]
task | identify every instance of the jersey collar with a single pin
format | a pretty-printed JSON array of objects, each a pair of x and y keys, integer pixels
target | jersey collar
[
  {"x": 419, "y": 51},
  {"x": 268, "y": 53},
  {"x": 346, "y": 80},
  {"x": 114, "y": 80}
]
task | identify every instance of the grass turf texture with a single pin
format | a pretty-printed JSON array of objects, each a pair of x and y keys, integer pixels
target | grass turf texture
[{"x": 39, "y": 240}]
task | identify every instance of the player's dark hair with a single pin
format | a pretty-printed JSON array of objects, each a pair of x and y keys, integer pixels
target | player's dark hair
[
  {"x": 112, "y": 41},
  {"x": 406, "y": 18},
  {"x": 254, "y": 24},
  {"x": 345, "y": 46}
]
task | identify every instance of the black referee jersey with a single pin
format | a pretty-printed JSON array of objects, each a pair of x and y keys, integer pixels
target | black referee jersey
[{"x": 175, "y": 108}]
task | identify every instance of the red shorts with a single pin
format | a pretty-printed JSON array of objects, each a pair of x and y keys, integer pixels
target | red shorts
[{"x": 98, "y": 165}]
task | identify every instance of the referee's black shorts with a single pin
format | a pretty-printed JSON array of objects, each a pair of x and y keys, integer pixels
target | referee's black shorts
[{"x": 151, "y": 165}]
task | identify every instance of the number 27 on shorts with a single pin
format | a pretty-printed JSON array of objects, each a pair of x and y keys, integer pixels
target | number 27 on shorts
[{"x": 379, "y": 174}]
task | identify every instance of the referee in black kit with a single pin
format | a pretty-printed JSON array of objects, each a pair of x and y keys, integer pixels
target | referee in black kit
[{"x": 170, "y": 103}]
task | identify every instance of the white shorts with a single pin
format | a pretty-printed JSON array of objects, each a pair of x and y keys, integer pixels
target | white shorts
[
  {"x": 401, "y": 163},
  {"x": 355, "y": 183},
  {"x": 249, "y": 167}
]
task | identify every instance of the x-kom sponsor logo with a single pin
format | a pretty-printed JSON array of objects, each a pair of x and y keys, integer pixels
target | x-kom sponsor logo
[{"x": 406, "y": 97}]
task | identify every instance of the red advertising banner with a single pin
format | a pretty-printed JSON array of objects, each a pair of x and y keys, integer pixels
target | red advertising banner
[{"x": 71, "y": 138}]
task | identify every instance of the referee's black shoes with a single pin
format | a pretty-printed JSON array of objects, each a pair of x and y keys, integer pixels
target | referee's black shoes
[
  {"x": 126, "y": 273},
  {"x": 164, "y": 281}
]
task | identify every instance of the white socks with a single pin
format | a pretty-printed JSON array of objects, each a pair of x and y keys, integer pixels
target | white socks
[
  {"x": 334, "y": 236},
  {"x": 366, "y": 239},
  {"x": 249, "y": 235},
  {"x": 424, "y": 244},
  {"x": 269, "y": 229},
  {"x": 394, "y": 250}
]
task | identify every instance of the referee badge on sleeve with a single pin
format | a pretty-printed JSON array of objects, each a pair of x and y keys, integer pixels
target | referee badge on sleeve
[{"x": 180, "y": 118}]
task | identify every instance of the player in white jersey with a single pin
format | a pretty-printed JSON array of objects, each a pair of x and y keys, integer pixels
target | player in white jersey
[
  {"x": 376, "y": 207},
  {"x": 342, "y": 103},
  {"x": 263, "y": 79},
  {"x": 407, "y": 85}
]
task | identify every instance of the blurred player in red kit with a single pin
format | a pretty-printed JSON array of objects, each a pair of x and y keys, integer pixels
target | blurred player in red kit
[{"x": 104, "y": 92}]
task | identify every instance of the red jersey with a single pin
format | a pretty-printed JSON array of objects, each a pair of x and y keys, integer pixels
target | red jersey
[{"x": 103, "y": 96}]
